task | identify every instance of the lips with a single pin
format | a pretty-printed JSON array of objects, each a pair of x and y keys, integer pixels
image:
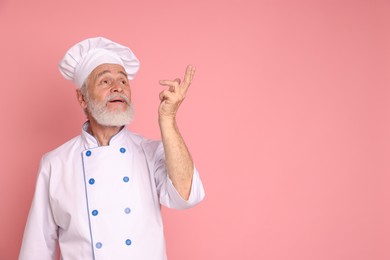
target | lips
[{"x": 118, "y": 99}]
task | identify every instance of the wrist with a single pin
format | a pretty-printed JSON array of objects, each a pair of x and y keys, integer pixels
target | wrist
[{"x": 167, "y": 120}]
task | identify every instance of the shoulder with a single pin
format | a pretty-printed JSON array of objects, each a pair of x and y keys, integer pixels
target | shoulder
[
  {"x": 146, "y": 144},
  {"x": 67, "y": 148}
]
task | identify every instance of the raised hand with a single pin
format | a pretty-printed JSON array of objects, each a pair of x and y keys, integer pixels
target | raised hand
[{"x": 173, "y": 96}]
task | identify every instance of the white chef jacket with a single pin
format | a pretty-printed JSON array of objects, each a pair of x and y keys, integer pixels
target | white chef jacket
[{"x": 103, "y": 202}]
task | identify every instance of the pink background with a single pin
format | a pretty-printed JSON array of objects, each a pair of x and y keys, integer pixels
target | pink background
[{"x": 287, "y": 118}]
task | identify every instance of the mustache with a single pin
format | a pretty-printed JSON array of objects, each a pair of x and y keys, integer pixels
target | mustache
[{"x": 116, "y": 96}]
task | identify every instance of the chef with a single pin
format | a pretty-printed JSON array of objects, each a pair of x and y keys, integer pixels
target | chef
[{"x": 98, "y": 196}]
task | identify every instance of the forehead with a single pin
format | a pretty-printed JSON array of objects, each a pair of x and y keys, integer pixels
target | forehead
[{"x": 107, "y": 68}]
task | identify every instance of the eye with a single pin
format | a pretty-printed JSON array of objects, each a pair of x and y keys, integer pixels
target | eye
[
  {"x": 105, "y": 82},
  {"x": 123, "y": 82}
]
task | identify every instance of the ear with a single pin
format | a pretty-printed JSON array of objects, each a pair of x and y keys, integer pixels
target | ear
[{"x": 81, "y": 99}]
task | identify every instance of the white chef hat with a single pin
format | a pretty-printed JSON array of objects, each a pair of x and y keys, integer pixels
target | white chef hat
[{"x": 81, "y": 59}]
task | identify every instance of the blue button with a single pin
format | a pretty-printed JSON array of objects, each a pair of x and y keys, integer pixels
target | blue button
[
  {"x": 95, "y": 212},
  {"x": 122, "y": 150},
  {"x": 128, "y": 242},
  {"x": 99, "y": 245},
  {"x": 91, "y": 181},
  {"x": 127, "y": 210},
  {"x": 88, "y": 153},
  {"x": 126, "y": 179}
]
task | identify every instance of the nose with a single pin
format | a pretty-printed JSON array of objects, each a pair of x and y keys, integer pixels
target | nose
[{"x": 116, "y": 87}]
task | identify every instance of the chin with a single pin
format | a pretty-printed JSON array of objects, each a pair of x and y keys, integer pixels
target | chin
[{"x": 107, "y": 117}]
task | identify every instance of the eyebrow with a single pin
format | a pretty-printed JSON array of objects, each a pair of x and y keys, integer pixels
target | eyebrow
[
  {"x": 108, "y": 71},
  {"x": 123, "y": 73}
]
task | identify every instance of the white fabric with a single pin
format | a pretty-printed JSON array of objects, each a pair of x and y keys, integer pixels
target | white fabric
[
  {"x": 82, "y": 58},
  {"x": 65, "y": 199}
]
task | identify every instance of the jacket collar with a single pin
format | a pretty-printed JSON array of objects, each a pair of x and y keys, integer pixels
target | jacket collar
[{"x": 91, "y": 142}]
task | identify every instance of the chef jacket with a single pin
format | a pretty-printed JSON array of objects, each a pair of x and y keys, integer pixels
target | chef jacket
[{"x": 103, "y": 202}]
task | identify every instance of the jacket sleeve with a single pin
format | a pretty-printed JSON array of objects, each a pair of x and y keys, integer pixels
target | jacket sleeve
[
  {"x": 168, "y": 195},
  {"x": 41, "y": 232}
]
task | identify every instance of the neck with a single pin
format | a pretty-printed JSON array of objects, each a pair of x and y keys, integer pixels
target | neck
[{"x": 103, "y": 134}]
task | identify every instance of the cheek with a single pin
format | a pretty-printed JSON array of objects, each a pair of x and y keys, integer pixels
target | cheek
[
  {"x": 100, "y": 96},
  {"x": 127, "y": 92}
]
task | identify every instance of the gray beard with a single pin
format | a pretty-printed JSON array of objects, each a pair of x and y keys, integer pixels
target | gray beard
[{"x": 110, "y": 118}]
